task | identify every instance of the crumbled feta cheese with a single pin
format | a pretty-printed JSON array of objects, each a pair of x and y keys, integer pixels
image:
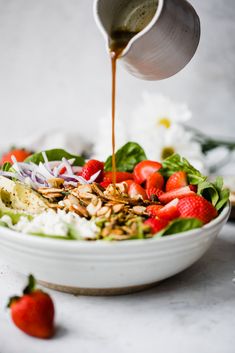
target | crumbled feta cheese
[{"x": 55, "y": 224}]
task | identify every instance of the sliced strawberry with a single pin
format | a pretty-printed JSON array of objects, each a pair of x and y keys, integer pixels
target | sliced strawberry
[
  {"x": 169, "y": 211},
  {"x": 178, "y": 193},
  {"x": 120, "y": 176},
  {"x": 128, "y": 183},
  {"x": 155, "y": 180},
  {"x": 145, "y": 168},
  {"x": 176, "y": 181},
  {"x": 136, "y": 191},
  {"x": 156, "y": 224},
  {"x": 152, "y": 210},
  {"x": 91, "y": 167},
  {"x": 105, "y": 183},
  {"x": 153, "y": 192},
  {"x": 197, "y": 206}
]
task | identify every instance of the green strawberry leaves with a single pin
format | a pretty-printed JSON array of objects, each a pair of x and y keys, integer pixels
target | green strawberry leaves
[
  {"x": 27, "y": 290},
  {"x": 30, "y": 286}
]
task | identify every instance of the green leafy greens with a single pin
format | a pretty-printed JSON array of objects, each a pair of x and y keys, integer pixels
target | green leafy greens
[
  {"x": 127, "y": 157},
  {"x": 55, "y": 155},
  {"x": 180, "y": 225},
  {"x": 212, "y": 191}
]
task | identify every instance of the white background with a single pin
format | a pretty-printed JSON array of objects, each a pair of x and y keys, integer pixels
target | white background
[{"x": 54, "y": 70}]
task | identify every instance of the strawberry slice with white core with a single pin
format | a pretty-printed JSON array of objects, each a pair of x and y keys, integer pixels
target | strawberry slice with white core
[
  {"x": 169, "y": 211},
  {"x": 177, "y": 193}
]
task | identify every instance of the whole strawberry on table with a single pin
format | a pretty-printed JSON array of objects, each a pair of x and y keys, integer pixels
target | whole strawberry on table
[
  {"x": 149, "y": 199},
  {"x": 33, "y": 312}
]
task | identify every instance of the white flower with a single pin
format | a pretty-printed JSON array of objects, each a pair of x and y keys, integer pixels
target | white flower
[
  {"x": 157, "y": 111},
  {"x": 156, "y": 124}
]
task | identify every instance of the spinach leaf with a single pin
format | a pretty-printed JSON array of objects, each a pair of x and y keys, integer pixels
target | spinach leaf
[
  {"x": 6, "y": 167},
  {"x": 180, "y": 225},
  {"x": 55, "y": 155},
  {"x": 212, "y": 191},
  {"x": 209, "y": 191},
  {"x": 176, "y": 163},
  {"x": 127, "y": 157}
]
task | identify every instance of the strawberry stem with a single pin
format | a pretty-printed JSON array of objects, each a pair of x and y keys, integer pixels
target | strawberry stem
[
  {"x": 30, "y": 286},
  {"x": 12, "y": 300}
]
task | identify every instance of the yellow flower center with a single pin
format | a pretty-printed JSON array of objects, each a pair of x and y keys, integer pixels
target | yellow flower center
[
  {"x": 167, "y": 152},
  {"x": 164, "y": 122}
]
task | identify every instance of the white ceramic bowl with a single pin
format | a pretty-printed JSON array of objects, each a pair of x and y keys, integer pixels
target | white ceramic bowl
[{"x": 98, "y": 268}]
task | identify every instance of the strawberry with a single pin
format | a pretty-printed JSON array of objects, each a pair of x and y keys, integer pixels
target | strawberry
[
  {"x": 145, "y": 168},
  {"x": 91, "y": 167},
  {"x": 155, "y": 180},
  {"x": 120, "y": 176},
  {"x": 197, "y": 206},
  {"x": 105, "y": 183},
  {"x": 169, "y": 211},
  {"x": 19, "y": 153},
  {"x": 152, "y": 210},
  {"x": 153, "y": 193},
  {"x": 156, "y": 224},
  {"x": 135, "y": 191},
  {"x": 177, "y": 193},
  {"x": 176, "y": 181},
  {"x": 33, "y": 312},
  {"x": 193, "y": 187}
]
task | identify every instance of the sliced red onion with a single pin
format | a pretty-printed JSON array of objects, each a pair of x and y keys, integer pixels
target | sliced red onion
[
  {"x": 67, "y": 165},
  {"x": 76, "y": 169},
  {"x": 44, "y": 171},
  {"x": 12, "y": 175},
  {"x": 73, "y": 183}
]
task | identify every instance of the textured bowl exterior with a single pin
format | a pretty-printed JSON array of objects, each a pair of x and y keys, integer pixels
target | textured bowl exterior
[{"x": 107, "y": 265}]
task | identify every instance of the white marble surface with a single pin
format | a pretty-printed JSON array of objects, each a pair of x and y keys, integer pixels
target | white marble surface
[
  {"x": 55, "y": 72},
  {"x": 191, "y": 312}
]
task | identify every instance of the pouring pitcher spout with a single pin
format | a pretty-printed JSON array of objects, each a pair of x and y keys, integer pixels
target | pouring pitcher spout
[{"x": 155, "y": 38}]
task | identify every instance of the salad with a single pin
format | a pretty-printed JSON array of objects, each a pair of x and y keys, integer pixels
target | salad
[{"x": 59, "y": 195}]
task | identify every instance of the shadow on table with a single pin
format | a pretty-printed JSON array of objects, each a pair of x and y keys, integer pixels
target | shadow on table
[{"x": 211, "y": 279}]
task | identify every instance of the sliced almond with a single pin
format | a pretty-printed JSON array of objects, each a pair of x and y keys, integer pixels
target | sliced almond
[
  {"x": 74, "y": 200},
  {"x": 118, "y": 207},
  {"x": 49, "y": 190},
  {"x": 80, "y": 210},
  {"x": 84, "y": 188},
  {"x": 93, "y": 208},
  {"x": 55, "y": 182},
  {"x": 139, "y": 210},
  {"x": 103, "y": 211}
]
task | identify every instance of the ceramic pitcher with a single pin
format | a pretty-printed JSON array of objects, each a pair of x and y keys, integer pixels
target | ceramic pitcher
[{"x": 164, "y": 46}]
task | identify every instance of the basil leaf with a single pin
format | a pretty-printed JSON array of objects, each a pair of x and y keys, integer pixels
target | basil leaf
[
  {"x": 180, "y": 225},
  {"x": 126, "y": 157},
  {"x": 55, "y": 155}
]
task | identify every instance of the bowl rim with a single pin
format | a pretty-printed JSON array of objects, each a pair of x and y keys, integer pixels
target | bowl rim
[{"x": 54, "y": 243}]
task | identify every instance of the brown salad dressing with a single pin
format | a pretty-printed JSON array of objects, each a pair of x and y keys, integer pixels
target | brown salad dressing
[
  {"x": 119, "y": 38},
  {"x": 118, "y": 43}
]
